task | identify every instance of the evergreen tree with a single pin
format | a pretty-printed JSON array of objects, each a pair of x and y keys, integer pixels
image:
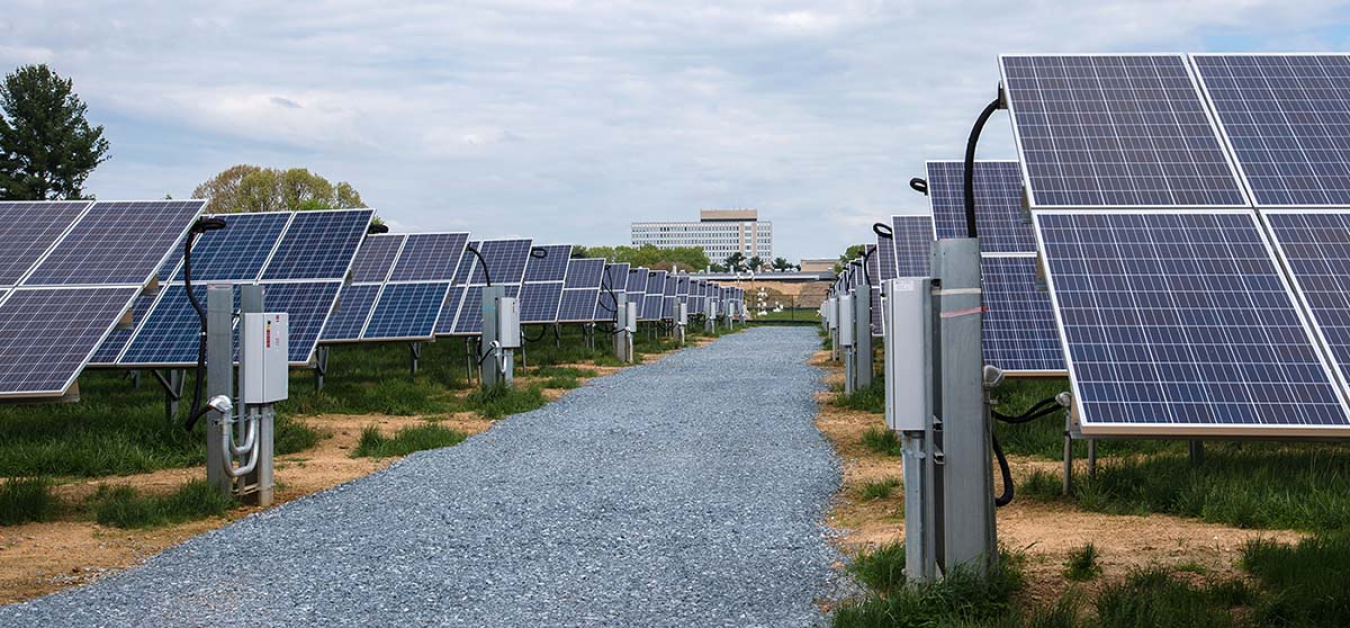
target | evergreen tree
[{"x": 47, "y": 148}]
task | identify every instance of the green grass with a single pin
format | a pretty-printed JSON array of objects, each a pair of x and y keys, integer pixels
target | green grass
[
  {"x": 26, "y": 500},
  {"x": 1044, "y": 438},
  {"x": 1082, "y": 564},
  {"x": 1155, "y": 598},
  {"x": 1042, "y": 485},
  {"x": 871, "y": 398},
  {"x": 1249, "y": 485},
  {"x": 406, "y": 440},
  {"x": 125, "y": 507},
  {"x": 880, "y": 489},
  {"x": 1305, "y": 585},
  {"x": 882, "y": 441},
  {"x": 499, "y": 401},
  {"x": 799, "y": 316},
  {"x": 961, "y": 598}
]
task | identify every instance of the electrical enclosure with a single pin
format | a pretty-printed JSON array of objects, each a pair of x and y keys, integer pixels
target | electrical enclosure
[
  {"x": 682, "y": 316},
  {"x": 508, "y": 322},
  {"x": 845, "y": 324},
  {"x": 263, "y": 363},
  {"x": 907, "y": 336}
]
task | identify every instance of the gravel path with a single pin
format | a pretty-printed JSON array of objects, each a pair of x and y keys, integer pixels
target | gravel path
[{"x": 689, "y": 492}]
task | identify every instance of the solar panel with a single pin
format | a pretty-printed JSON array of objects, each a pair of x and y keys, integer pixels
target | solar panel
[
  {"x": 445, "y": 325},
  {"x": 470, "y": 319},
  {"x": 430, "y": 257},
  {"x": 637, "y": 280},
  {"x": 912, "y": 238},
  {"x": 116, "y": 243},
  {"x": 585, "y": 273},
  {"x": 1003, "y": 227},
  {"x": 466, "y": 263},
  {"x": 506, "y": 261},
  {"x": 407, "y": 311},
  {"x": 169, "y": 333},
  {"x": 1116, "y": 131},
  {"x": 117, "y": 339},
  {"x": 28, "y": 229},
  {"x": 1286, "y": 118},
  {"x": 318, "y": 245},
  {"x": 612, "y": 284},
  {"x": 1019, "y": 324},
  {"x": 551, "y": 267},
  {"x": 376, "y": 257},
  {"x": 237, "y": 252},
  {"x": 307, "y": 305},
  {"x": 539, "y": 302},
  {"x": 655, "y": 290},
  {"x": 1181, "y": 323},
  {"x": 355, "y": 302},
  {"x": 47, "y": 335},
  {"x": 578, "y": 305},
  {"x": 1316, "y": 247}
]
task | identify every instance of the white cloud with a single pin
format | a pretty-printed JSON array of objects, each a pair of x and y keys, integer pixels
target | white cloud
[{"x": 565, "y": 121}]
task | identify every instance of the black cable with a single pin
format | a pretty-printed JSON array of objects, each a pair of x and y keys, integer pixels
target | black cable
[
  {"x": 969, "y": 174},
  {"x": 919, "y": 185},
  {"x": 201, "y": 226},
  {"x": 867, "y": 279},
  {"x": 1007, "y": 496},
  {"x": 486, "y": 277},
  {"x": 606, "y": 278},
  {"x": 542, "y": 332},
  {"x": 883, "y": 230},
  {"x": 1040, "y": 409}
]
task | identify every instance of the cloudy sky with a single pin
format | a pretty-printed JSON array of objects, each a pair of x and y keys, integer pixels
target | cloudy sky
[{"x": 564, "y": 121}]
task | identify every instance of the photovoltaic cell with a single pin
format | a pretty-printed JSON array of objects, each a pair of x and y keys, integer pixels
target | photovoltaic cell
[
  {"x": 1316, "y": 246},
  {"x": 407, "y": 311},
  {"x": 1116, "y": 131},
  {"x": 637, "y": 281},
  {"x": 445, "y": 325},
  {"x": 506, "y": 261},
  {"x": 376, "y": 257},
  {"x": 913, "y": 241},
  {"x": 237, "y": 252},
  {"x": 539, "y": 302},
  {"x": 885, "y": 258},
  {"x": 466, "y": 264},
  {"x": 430, "y": 257},
  {"x": 116, "y": 243},
  {"x": 578, "y": 305},
  {"x": 1287, "y": 119},
  {"x": 470, "y": 319},
  {"x": 585, "y": 273},
  {"x": 170, "y": 331},
  {"x": 307, "y": 306},
  {"x": 355, "y": 303},
  {"x": 318, "y": 245},
  {"x": 28, "y": 229},
  {"x": 1019, "y": 324},
  {"x": 39, "y": 356},
  {"x": 651, "y": 302},
  {"x": 117, "y": 339},
  {"x": 1181, "y": 323},
  {"x": 998, "y": 205},
  {"x": 551, "y": 267}
]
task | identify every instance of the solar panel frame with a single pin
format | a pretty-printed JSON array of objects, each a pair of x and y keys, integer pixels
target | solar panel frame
[
  {"x": 214, "y": 265},
  {"x": 406, "y": 311},
  {"x": 1238, "y": 195},
  {"x": 71, "y": 260},
  {"x": 1004, "y": 226},
  {"x": 429, "y": 257},
  {"x": 541, "y": 293},
  {"x": 1245, "y": 153},
  {"x": 36, "y": 365},
  {"x": 581, "y": 290},
  {"x": 1334, "y": 401},
  {"x": 355, "y": 303},
  {"x": 376, "y": 256},
  {"x": 351, "y": 232},
  {"x": 1019, "y": 334},
  {"x": 508, "y": 259},
  {"x": 912, "y": 241},
  {"x": 610, "y": 290}
]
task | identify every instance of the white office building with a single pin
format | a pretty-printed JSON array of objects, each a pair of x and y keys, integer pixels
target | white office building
[{"x": 719, "y": 232}]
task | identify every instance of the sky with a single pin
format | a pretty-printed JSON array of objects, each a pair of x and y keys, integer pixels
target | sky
[{"x": 565, "y": 121}]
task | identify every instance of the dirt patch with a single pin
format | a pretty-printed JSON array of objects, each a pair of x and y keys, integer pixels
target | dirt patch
[{"x": 1044, "y": 532}]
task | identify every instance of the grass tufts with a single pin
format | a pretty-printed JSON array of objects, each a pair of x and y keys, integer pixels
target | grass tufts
[
  {"x": 125, "y": 507},
  {"x": 498, "y": 401},
  {"x": 1306, "y": 584},
  {"x": 406, "y": 440},
  {"x": 25, "y": 500},
  {"x": 961, "y": 598},
  {"x": 880, "y": 489},
  {"x": 1154, "y": 598},
  {"x": 1082, "y": 564},
  {"x": 869, "y": 399},
  {"x": 882, "y": 441}
]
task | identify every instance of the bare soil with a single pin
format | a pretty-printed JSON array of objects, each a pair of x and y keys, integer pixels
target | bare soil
[{"x": 1045, "y": 532}]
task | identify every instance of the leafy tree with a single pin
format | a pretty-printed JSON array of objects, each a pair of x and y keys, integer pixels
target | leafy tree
[
  {"x": 780, "y": 264},
  {"x": 717, "y": 268},
  {"x": 853, "y": 252},
  {"x": 47, "y": 148},
  {"x": 755, "y": 263},
  {"x": 580, "y": 252},
  {"x": 245, "y": 188},
  {"x": 735, "y": 262}
]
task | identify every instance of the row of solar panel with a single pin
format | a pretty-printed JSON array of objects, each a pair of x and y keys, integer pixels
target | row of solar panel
[{"x": 1173, "y": 130}]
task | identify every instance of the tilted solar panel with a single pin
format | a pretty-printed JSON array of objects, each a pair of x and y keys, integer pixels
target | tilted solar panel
[
  {"x": 445, "y": 325},
  {"x": 318, "y": 245},
  {"x": 407, "y": 311},
  {"x": 466, "y": 264},
  {"x": 1116, "y": 131},
  {"x": 430, "y": 257},
  {"x": 1019, "y": 324},
  {"x": 552, "y": 266},
  {"x": 613, "y": 283},
  {"x": 539, "y": 302},
  {"x": 117, "y": 339},
  {"x": 582, "y": 293},
  {"x": 1181, "y": 323},
  {"x": 470, "y": 320},
  {"x": 912, "y": 237},
  {"x": 47, "y": 335},
  {"x": 355, "y": 302},
  {"x": 506, "y": 261},
  {"x": 169, "y": 333},
  {"x": 116, "y": 243},
  {"x": 1286, "y": 118},
  {"x": 999, "y": 216},
  {"x": 637, "y": 280},
  {"x": 655, "y": 290},
  {"x": 585, "y": 273},
  {"x": 885, "y": 259},
  {"x": 237, "y": 252},
  {"x": 1316, "y": 247},
  {"x": 29, "y": 229},
  {"x": 376, "y": 257}
]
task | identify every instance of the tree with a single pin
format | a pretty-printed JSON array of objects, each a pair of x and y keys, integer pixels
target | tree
[
  {"x": 781, "y": 265},
  {"x": 245, "y": 188},
  {"x": 580, "y": 252},
  {"x": 717, "y": 268},
  {"x": 755, "y": 263},
  {"x": 686, "y": 259},
  {"x": 47, "y": 148},
  {"x": 853, "y": 252},
  {"x": 735, "y": 262}
]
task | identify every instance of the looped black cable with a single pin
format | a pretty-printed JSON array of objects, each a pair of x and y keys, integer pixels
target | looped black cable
[
  {"x": 538, "y": 252},
  {"x": 1040, "y": 409},
  {"x": 969, "y": 174},
  {"x": 543, "y": 331},
  {"x": 201, "y": 226},
  {"x": 919, "y": 185},
  {"x": 377, "y": 228},
  {"x": 1007, "y": 496},
  {"x": 883, "y": 230}
]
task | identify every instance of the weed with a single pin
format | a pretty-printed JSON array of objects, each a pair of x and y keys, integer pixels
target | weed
[
  {"x": 25, "y": 500},
  {"x": 1082, "y": 564},
  {"x": 1305, "y": 583},
  {"x": 869, "y": 399},
  {"x": 125, "y": 507},
  {"x": 962, "y": 597},
  {"x": 406, "y": 440},
  {"x": 879, "y": 490},
  {"x": 1041, "y": 484},
  {"x": 882, "y": 441}
]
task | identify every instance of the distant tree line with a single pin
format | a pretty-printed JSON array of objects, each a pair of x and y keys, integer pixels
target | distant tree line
[{"x": 685, "y": 258}]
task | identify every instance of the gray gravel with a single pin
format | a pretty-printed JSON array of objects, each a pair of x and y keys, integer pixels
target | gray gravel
[{"x": 690, "y": 492}]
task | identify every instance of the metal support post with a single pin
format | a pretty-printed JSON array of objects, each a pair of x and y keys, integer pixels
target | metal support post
[
  {"x": 1092, "y": 459},
  {"x": 862, "y": 338},
  {"x": 1068, "y": 457},
  {"x": 260, "y": 481},
  {"x": 415, "y": 361},
  {"x": 173, "y": 391},
  {"x": 219, "y": 380},
  {"x": 491, "y": 376},
  {"x": 1197, "y": 452},
  {"x": 964, "y": 439},
  {"x": 320, "y": 367}
]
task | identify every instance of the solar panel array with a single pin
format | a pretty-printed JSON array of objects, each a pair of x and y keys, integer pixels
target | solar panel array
[
  {"x": 1286, "y": 118},
  {"x": 541, "y": 295},
  {"x": 1316, "y": 247},
  {"x": 1182, "y": 323},
  {"x": 69, "y": 272},
  {"x": 1116, "y": 131},
  {"x": 308, "y": 258},
  {"x": 399, "y": 287},
  {"x": 581, "y": 291}
]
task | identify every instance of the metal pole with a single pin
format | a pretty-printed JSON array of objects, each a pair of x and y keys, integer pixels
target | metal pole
[
  {"x": 1068, "y": 457},
  {"x": 415, "y": 362},
  {"x": 491, "y": 376},
  {"x": 251, "y": 299},
  {"x": 219, "y": 379},
  {"x": 320, "y": 367},
  {"x": 1197, "y": 452},
  {"x": 1092, "y": 459}
]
